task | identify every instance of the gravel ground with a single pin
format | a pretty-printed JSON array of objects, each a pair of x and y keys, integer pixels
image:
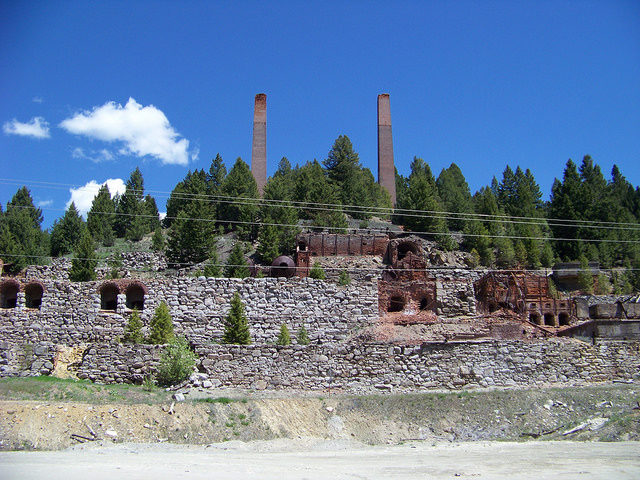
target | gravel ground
[{"x": 321, "y": 459}]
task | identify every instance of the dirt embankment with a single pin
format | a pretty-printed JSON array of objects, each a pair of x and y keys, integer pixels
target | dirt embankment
[{"x": 605, "y": 412}]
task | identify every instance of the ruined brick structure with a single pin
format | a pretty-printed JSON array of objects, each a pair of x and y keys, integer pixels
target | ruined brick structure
[
  {"x": 524, "y": 294},
  {"x": 259, "y": 144},
  {"x": 386, "y": 169},
  {"x": 310, "y": 245}
]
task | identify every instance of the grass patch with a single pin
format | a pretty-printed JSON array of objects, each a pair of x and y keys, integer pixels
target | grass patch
[
  {"x": 45, "y": 388},
  {"x": 223, "y": 400}
]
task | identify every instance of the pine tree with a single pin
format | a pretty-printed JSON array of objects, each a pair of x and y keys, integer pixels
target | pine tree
[
  {"x": 236, "y": 328},
  {"x": 455, "y": 195},
  {"x": 283, "y": 337},
  {"x": 240, "y": 185},
  {"x": 312, "y": 186},
  {"x": 237, "y": 266},
  {"x": 585, "y": 278},
  {"x": 66, "y": 232},
  {"x": 216, "y": 176},
  {"x": 101, "y": 217},
  {"x": 152, "y": 217},
  {"x": 22, "y": 241},
  {"x": 422, "y": 194},
  {"x": 133, "y": 329},
  {"x": 157, "y": 241},
  {"x": 212, "y": 268},
  {"x": 83, "y": 266},
  {"x": 303, "y": 336},
  {"x": 130, "y": 205},
  {"x": 161, "y": 325},
  {"x": 191, "y": 239}
]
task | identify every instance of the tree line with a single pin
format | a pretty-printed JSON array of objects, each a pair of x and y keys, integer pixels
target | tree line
[{"x": 505, "y": 224}]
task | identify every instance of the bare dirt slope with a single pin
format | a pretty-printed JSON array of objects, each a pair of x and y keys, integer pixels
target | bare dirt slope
[{"x": 604, "y": 412}]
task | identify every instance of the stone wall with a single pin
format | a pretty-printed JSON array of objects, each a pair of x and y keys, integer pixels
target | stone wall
[
  {"x": 371, "y": 367},
  {"x": 71, "y": 312}
]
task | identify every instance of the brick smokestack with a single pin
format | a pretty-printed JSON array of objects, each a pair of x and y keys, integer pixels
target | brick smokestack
[
  {"x": 259, "y": 146},
  {"x": 386, "y": 170}
]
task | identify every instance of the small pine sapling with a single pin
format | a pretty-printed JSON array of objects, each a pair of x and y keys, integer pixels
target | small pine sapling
[
  {"x": 236, "y": 327},
  {"x": 317, "y": 272},
  {"x": 283, "y": 337},
  {"x": 303, "y": 336},
  {"x": 344, "y": 279},
  {"x": 161, "y": 326},
  {"x": 133, "y": 329}
]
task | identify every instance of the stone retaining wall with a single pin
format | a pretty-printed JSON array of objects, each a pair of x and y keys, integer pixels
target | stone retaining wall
[{"x": 372, "y": 367}]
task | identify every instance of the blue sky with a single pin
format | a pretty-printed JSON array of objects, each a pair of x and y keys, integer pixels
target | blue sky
[{"x": 479, "y": 83}]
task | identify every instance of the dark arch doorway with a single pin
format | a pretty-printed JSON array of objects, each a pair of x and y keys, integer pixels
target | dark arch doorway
[
  {"x": 396, "y": 304},
  {"x": 405, "y": 247},
  {"x": 135, "y": 297},
  {"x": 109, "y": 296},
  {"x": 9, "y": 294},
  {"x": 549, "y": 319},
  {"x": 33, "y": 295},
  {"x": 563, "y": 318}
]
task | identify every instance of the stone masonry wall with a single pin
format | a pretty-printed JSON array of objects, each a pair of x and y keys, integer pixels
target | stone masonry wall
[
  {"x": 70, "y": 313},
  {"x": 371, "y": 367}
]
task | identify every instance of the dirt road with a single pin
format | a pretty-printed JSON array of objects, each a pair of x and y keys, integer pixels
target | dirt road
[{"x": 321, "y": 459}]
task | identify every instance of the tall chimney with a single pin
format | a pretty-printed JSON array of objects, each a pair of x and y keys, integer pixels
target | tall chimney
[
  {"x": 386, "y": 170},
  {"x": 259, "y": 146}
]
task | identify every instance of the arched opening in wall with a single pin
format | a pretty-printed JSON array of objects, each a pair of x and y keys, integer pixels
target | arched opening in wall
[
  {"x": 405, "y": 247},
  {"x": 302, "y": 246},
  {"x": 563, "y": 318},
  {"x": 424, "y": 303},
  {"x": 549, "y": 319},
  {"x": 9, "y": 294},
  {"x": 109, "y": 296},
  {"x": 135, "y": 297},
  {"x": 396, "y": 304},
  {"x": 492, "y": 307},
  {"x": 532, "y": 305},
  {"x": 33, "y": 295},
  {"x": 534, "y": 317}
]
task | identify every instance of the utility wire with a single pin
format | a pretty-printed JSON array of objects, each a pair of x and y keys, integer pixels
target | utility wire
[
  {"x": 378, "y": 230},
  {"x": 358, "y": 208}
]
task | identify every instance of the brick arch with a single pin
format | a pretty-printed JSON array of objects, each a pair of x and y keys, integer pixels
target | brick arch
[
  {"x": 33, "y": 292},
  {"x": 9, "y": 293}
]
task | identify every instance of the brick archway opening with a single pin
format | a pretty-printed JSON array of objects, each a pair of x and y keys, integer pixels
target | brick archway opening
[{"x": 396, "y": 304}]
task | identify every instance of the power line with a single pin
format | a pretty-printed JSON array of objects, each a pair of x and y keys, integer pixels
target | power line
[
  {"x": 574, "y": 223},
  {"x": 378, "y": 230},
  {"x": 351, "y": 269}
]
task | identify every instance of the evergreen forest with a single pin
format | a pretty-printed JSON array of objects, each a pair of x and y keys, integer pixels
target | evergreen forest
[{"x": 506, "y": 224}]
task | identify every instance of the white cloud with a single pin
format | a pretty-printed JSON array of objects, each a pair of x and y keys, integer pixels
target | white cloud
[
  {"x": 37, "y": 127},
  {"x": 95, "y": 156},
  {"x": 143, "y": 130},
  {"x": 37, "y": 100},
  {"x": 83, "y": 196},
  {"x": 44, "y": 203},
  {"x": 162, "y": 215}
]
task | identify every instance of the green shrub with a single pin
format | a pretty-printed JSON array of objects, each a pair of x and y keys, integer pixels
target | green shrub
[
  {"x": 236, "y": 327},
  {"x": 302, "y": 337},
  {"x": 133, "y": 329},
  {"x": 283, "y": 337},
  {"x": 317, "y": 272},
  {"x": 161, "y": 325},
  {"x": 157, "y": 241},
  {"x": 176, "y": 363},
  {"x": 344, "y": 279}
]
